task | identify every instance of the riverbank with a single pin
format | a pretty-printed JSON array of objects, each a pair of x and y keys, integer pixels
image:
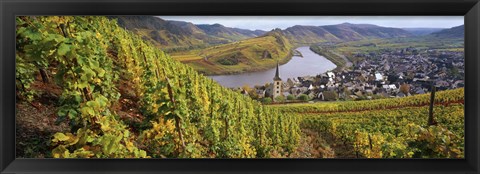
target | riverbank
[
  {"x": 310, "y": 64},
  {"x": 341, "y": 61}
]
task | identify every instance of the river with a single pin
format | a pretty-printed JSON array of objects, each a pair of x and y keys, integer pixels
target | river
[{"x": 310, "y": 64}]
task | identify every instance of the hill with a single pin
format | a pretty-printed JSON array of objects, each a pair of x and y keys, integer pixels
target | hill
[
  {"x": 262, "y": 52},
  {"x": 454, "y": 32},
  {"x": 253, "y": 54},
  {"x": 179, "y": 35},
  {"x": 341, "y": 33},
  {"x": 232, "y": 34},
  {"x": 118, "y": 96},
  {"x": 161, "y": 33},
  {"x": 422, "y": 31}
]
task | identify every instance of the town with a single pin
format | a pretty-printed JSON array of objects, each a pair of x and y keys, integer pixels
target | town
[{"x": 388, "y": 74}]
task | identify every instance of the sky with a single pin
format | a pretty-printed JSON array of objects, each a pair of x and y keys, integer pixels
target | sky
[{"x": 270, "y": 22}]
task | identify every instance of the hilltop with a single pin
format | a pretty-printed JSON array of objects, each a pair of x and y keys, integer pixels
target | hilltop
[
  {"x": 341, "y": 33},
  {"x": 179, "y": 35}
]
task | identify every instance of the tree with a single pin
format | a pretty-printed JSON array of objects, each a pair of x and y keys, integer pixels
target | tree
[
  {"x": 246, "y": 88},
  {"x": 405, "y": 88}
]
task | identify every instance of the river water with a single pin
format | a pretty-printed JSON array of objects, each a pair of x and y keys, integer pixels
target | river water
[{"x": 310, "y": 64}]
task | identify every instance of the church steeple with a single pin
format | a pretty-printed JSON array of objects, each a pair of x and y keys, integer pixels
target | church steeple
[
  {"x": 277, "y": 76},
  {"x": 277, "y": 85}
]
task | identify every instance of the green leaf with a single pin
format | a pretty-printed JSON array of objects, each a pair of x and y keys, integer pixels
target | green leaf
[
  {"x": 101, "y": 72},
  {"x": 87, "y": 111},
  {"x": 89, "y": 73},
  {"x": 72, "y": 113},
  {"x": 62, "y": 112},
  {"x": 143, "y": 153},
  {"x": 78, "y": 98},
  {"x": 63, "y": 49},
  {"x": 102, "y": 101},
  {"x": 60, "y": 137},
  {"x": 33, "y": 35}
]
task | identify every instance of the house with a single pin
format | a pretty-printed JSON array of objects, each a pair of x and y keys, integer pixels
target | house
[
  {"x": 331, "y": 75},
  {"x": 378, "y": 77},
  {"x": 260, "y": 93}
]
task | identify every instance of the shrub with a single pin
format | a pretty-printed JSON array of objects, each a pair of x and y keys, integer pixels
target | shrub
[
  {"x": 280, "y": 99},
  {"x": 266, "y": 100},
  {"x": 330, "y": 95},
  {"x": 303, "y": 97},
  {"x": 290, "y": 97}
]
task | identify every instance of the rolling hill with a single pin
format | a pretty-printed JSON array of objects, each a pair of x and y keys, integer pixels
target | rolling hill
[
  {"x": 252, "y": 54},
  {"x": 262, "y": 52},
  {"x": 341, "y": 32},
  {"x": 174, "y": 35},
  {"x": 233, "y": 34},
  {"x": 454, "y": 32}
]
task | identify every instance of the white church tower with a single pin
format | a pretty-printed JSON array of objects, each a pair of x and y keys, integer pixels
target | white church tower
[{"x": 277, "y": 85}]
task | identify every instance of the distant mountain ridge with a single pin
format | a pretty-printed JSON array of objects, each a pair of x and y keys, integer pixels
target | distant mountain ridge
[
  {"x": 341, "y": 32},
  {"x": 171, "y": 34},
  {"x": 234, "y": 34},
  {"x": 179, "y": 34},
  {"x": 454, "y": 32}
]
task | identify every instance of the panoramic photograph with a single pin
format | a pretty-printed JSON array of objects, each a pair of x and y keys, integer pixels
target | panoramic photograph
[{"x": 347, "y": 87}]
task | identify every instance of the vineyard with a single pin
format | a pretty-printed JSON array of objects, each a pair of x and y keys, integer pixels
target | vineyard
[
  {"x": 98, "y": 67},
  {"x": 113, "y": 95},
  {"x": 390, "y": 128}
]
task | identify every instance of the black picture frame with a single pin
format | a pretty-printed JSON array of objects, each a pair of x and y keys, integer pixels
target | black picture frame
[{"x": 468, "y": 8}]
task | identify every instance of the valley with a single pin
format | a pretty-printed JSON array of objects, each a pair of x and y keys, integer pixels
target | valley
[{"x": 146, "y": 87}]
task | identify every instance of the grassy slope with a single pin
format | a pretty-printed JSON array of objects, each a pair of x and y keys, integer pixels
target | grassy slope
[{"x": 254, "y": 54}]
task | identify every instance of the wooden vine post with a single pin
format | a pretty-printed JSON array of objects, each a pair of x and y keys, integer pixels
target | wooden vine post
[
  {"x": 176, "y": 117},
  {"x": 431, "y": 119}
]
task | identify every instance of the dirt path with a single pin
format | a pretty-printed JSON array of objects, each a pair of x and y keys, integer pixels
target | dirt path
[{"x": 321, "y": 145}]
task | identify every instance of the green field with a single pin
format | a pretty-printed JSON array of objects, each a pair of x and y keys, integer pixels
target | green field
[{"x": 378, "y": 45}]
